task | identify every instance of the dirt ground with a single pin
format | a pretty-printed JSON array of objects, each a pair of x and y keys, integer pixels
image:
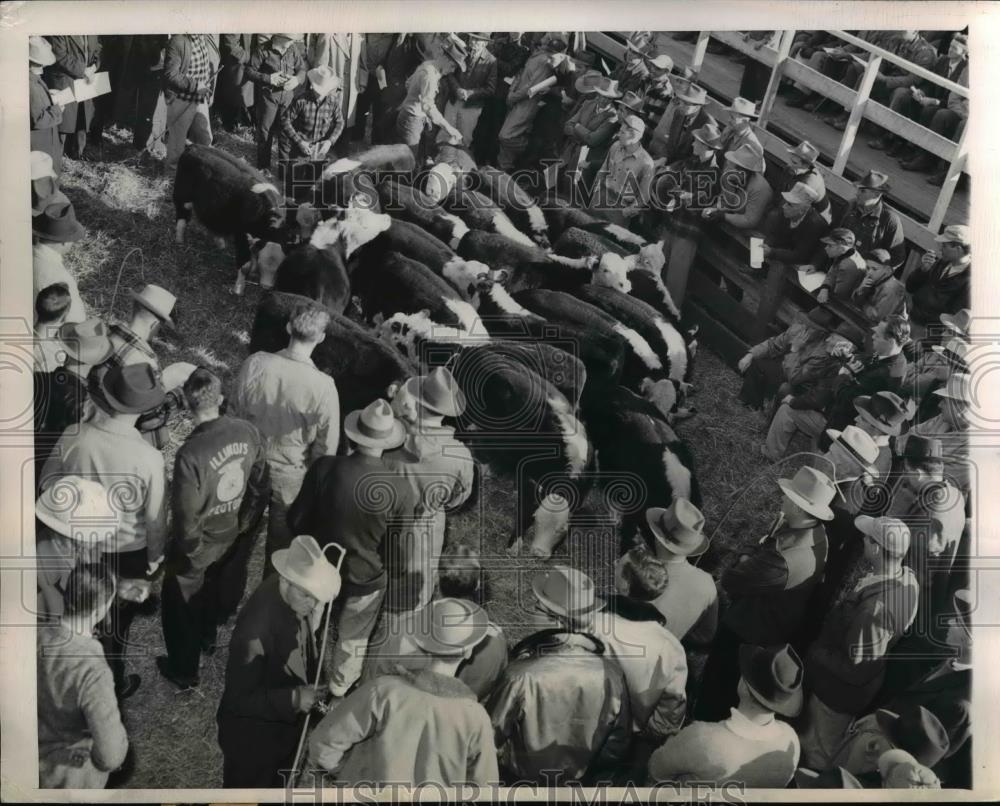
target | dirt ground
[{"x": 129, "y": 218}]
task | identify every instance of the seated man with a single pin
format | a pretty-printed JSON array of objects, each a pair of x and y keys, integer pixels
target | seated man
[
  {"x": 751, "y": 748},
  {"x": 801, "y": 167},
  {"x": 942, "y": 284},
  {"x": 748, "y": 193},
  {"x": 879, "y": 295},
  {"x": 874, "y": 225},
  {"x": 794, "y": 237},
  {"x": 843, "y": 266},
  {"x": 624, "y": 180}
]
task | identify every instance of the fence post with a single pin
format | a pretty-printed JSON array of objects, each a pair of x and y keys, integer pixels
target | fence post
[
  {"x": 950, "y": 182},
  {"x": 698, "y": 57},
  {"x": 784, "y": 46},
  {"x": 857, "y": 112}
]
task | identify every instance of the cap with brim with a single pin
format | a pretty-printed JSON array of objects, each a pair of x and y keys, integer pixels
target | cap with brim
[
  {"x": 679, "y": 528},
  {"x": 158, "y": 301},
  {"x": 449, "y": 627},
  {"x": 635, "y": 123},
  {"x": 566, "y": 591},
  {"x": 132, "y": 389},
  {"x": 57, "y": 222},
  {"x": 954, "y": 233},
  {"x": 375, "y": 426},
  {"x": 86, "y": 342},
  {"x": 80, "y": 509},
  {"x": 774, "y": 677},
  {"x": 811, "y": 490},
  {"x": 304, "y": 564},
  {"x": 661, "y": 62},
  {"x": 177, "y": 374}
]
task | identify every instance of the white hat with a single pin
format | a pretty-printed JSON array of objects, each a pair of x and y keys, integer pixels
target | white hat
[
  {"x": 304, "y": 564},
  {"x": 41, "y": 165},
  {"x": 40, "y": 51},
  {"x": 323, "y": 80}
]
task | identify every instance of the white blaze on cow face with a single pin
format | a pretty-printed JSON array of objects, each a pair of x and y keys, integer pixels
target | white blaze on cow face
[
  {"x": 536, "y": 219},
  {"x": 362, "y": 226},
  {"x": 505, "y": 302},
  {"x": 678, "y": 476},
  {"x": 640, "y": 346},
  {"x": 574, "y": 436},
  {"x": 459, "y": 229},
  {"x": 612, "y": 272},
  {"x": 662, "y": 394},
  {"x": 440, "y": 180},
  {"x": 502, "y": 225},
  {"x": 465, "y": 276},
  {"x": 622, "y": 235}
]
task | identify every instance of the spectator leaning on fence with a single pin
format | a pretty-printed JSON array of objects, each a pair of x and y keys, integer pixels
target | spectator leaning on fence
[{"x": 190, "y": 66}]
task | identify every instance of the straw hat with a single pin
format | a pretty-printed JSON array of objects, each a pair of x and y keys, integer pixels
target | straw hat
[
  {"x": 80, "y": 509},
  {"x": 679, "y": 528},
  {"x": 40, "y": 51},
  {"x": 323, "y": 80},
  {"x": 375, "y": 426},
  {"x": 438, "y": 392},
  {"x": 304, "y": 564},
  {"x": 890, "y": 533},
  {"x": 857, "y": 443},
  {"x": 566, "y": 591},
  {"x": 452, "y": 626},
  {"x": 812, "y": 490},
  {"x": 156, "y": 300},
  {"x": 774, "y": 677}
]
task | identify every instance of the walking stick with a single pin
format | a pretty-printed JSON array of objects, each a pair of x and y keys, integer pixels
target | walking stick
[{"x": 319, "y": 671}]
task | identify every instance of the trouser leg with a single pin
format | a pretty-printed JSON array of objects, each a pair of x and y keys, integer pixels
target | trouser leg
[
  {"x": 180, "y": 115},
  {"x": 279, "y": 536},
  {"x": 760, "y": 381},
  {"x": 787, "y": 421},
  {"x": 182, "y": 627},
  {"x": 354, "y": 628},
  {"x": 266, "y": 109}
]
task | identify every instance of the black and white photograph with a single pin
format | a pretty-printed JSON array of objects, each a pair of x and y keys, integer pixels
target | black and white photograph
[{"x": 479, "y": 414}]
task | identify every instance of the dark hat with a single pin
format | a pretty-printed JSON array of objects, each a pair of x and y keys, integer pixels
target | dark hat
[
  {"x": 631, "y": 100},
  {"x": 887, "y": 411},
  {"x": 874, "y": 180},
  {"x": 915, "y": 730},
  {"x": 455, "y": 53},
  {"x": 920, "y": 448},
  {"x": 774, "y": 676},
  {"x": 132, "y": 389},
  {"x": 57, "y": 222},
  {"x": 836, "y": 778},
  {"x": 822, "y": 318}
]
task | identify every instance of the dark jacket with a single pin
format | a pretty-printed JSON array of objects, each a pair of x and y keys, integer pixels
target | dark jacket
[
  {"x": 880, "y": 229},
  {"x": 843, "y": 274},
  {"x": 176, "y": 61},
  {"x": 358, "y": 502},
  {"x": 74, "y": 54},
  {"x": 265, "y": 61},
  {"x": 45, "y": 119},
  {"x": 932, "y": 294},
  {"x": 480, "y": 79},
  {"x": 679, "y": 140},
  {"x": 220, "y": 489},
  {"x": 770, "y": 588},
  {"x": 796, "y": 245},
  {"x": 876, "y": 375}
]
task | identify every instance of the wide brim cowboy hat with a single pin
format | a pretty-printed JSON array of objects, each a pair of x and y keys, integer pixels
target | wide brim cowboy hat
[
  {"x": 748, "y": 158},
  {"x": 449, "y": 627},
  {"x": 743, "y": 106},
  {"x": 86, "y": 342},
  {"x": 691, "y": 94},
  {"x": 132, "y": 389},
  {"x": 567, "y": 576},
  {"x": 791, "y": 488},
  {"x": 805, "y": 151},
  {"x": 709, "y": 136},
  {"x": 587, "y": 83},
  {"x": 679, "y": 520},
  {"x": 608, "y": 88},
  {"x": 360, "y": 427},
  {"x": 57, "y": 222},
  {"x": 918, "y": 732},
  {"x": 437, "y": 392},
  {"x": 304, "y": 564},
  {"x": 158, "y": 301},
  {"x": 455, "y": 53},
  {"x": 323, "y": 80},
  {"x": 631, "y": 101},
  {"x": 958, "y": 322},
  {"x": 764, "y": 669}
]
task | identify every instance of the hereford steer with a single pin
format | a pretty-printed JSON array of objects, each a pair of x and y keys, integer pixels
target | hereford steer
[
  {"x": 480, "y": 212},
  {"x": 519, "y": 206}
]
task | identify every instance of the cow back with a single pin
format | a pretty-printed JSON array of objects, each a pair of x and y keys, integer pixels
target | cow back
[{"x": 319, "y": 274}]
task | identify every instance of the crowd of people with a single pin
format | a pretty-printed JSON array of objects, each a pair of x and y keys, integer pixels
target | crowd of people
[{"x": 815, "y": 674}]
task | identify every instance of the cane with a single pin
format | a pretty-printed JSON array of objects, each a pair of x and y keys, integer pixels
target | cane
[{"x": 319, "y": 670}]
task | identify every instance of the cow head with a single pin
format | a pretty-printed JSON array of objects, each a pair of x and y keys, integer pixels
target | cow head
[
  {"x": 355, "y": 227},
  {"x": 274, "y": 205},
  {"x": 612, "y": 272},
  {"x": 265, "y": 258},
  {"x": 404, "y": 330},
  {"x": 466, "y": 276},
  {"x": 650, "y": 258},
  {"x": 669, "y": 397},
  {"x": 441, "y": 178}
]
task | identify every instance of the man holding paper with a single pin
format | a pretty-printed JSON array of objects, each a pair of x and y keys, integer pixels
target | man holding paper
[
  {"x": 190, "y": 66},
  {"x": 277, "y": 67},
  {"x": 76, "y": 57},
  {"x": 44, "y": 105}
]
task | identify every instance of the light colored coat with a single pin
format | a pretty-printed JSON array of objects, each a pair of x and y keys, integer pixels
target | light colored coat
[
  {"x": 690, "y": 604},
  {"x": 48, "y": 269},
  {"x": 736, "y": 751}
]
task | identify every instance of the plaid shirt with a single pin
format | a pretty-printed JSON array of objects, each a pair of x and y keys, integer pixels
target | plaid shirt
[
  {"x": 308, "y": 120},
  {"x": 657, "y": 98},
  {"x": 199, "y": 68}
]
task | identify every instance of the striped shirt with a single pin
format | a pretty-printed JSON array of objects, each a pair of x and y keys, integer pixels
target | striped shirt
[
  {"x": 654, "y": 105},
  {"x": 199, "y": 68}
]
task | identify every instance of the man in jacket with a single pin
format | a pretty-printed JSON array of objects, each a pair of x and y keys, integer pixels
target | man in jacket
[
  {"x": 801, "y": 167},
  {"x": 690, "y": 603},
  {"x": 592, "y": 125},
  {"x": 746, "y": 194},
  {"x": 466, "y": 92},
  {"x": 235, "y": 90},
  {"x": 673, "y": 137},
  {"x": 271, "y": 668},
  {"x": 562, "y": 704},
  {"x": 109, "y": 449},
  {"x": 310, "y": 126},
  {"x": 770, "y": 586},
  {"x": 874, "y": 225},
  {"x": 879, "y": 295},
  {"x": 625, "y": 178},
  {"x": 45, "y": 115},
  {"x": 657, "y": 94},
  {"x": 844, "y": 266},
  {"x": 371, "y": 78},
  {"x": 296, "y": 408},
  {"x": 190, "y": 66},
  {"x": 339, "y": 501},
  {"x": 439, "y": 470},
  {"x": 942, "y": 284},
  {"x": 751, "y": 748},
  {"x": 276, "y": 67},
  {"x": 794, "y": 237},
  {"x": 845, "y": 666},
  {"x": 419, "y": 727},
  {"x": 220, "y": 489},
  {"x": 76, "y": 57}
]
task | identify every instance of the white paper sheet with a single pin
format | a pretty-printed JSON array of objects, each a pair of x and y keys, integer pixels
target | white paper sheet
[
  {"x": 811, "y": 280},
  {"x": 84, "y": 90},
  {"x": 756, "y": 252}
]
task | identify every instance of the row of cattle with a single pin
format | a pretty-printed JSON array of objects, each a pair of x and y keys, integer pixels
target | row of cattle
[{"x": 555, "y": 324}]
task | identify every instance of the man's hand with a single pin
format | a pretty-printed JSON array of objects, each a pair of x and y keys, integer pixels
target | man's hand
[
  {"x": 711, "y": 213},
  {"x": 927, "y": 260},
  {"x": 306, "y": 699},
  {"x": 463, "y": 94},
  {"x": 291, "y": 83},
  {"x": 823, "y": 295},
  {"x": 322, "y": 149},
  {"x": 154, "y": 566},
  {"x": 203, "y": 92},
  {"x": 277, "y": 79},
  {"x": 765, "y": 250},
  {"x": 454, "y": 136},
  {"x": 744, "y": 363},
  {"x": 89, "y": 73}
]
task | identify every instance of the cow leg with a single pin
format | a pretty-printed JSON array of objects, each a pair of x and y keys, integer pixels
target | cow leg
[
  {"x": 183, "y": 211},
  {"x": 244, "y": 263}
]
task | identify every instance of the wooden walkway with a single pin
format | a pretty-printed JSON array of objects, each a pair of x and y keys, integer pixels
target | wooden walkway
[{"x": 721, "y": 76}]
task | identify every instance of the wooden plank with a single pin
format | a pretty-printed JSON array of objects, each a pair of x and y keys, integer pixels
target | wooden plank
[
  {"x": 951, "y": 178},
  {"x": 729, "y": 346},
  {"x": 738, "y": 42},
  {"x": 605, "y": 45},
  {"x": 910, "y": 67},
  {"x": 700, "y": 48},
  {"x": 777, "y": 74},
  {"x": 817, "y": 82},
  {"x": 912, "y": 131},
  {"x": 856, "y": 114},
  {"x": 737, "y": 317}
]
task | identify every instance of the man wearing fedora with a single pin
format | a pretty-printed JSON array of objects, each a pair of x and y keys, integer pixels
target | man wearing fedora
[
  {"x": 53, "y": 233},
  {"x": 272, "y": 666},
  {"x": 751, "y": 748},
  {"x": 219, "y": 491},
  {"x": 310, "y": 126},
  {"x": 801, "y": 167},
  {"x": 277, "y": 67},
  {"x": 880, "y": 294},
  {"x": 44, "y": 113},
  {"x": 419, "y": 116},
  {"x": 842, "y": 264},
  {"x": 951, "y": 427},
  {"x": 415, "y": 728},
  {"x": 440, "y": 472},
  {"x": 75, "y": 58},
  {"x": 358, "y": 502},
  {"x": 946, "y": 691},
  {"x": 632, "y": 73},
  {"x": 190, "y": 67},
  {"x": 523, "y": 102},
  {"x": 874, "y": 225},
  {"x": 770, "y": 585},
  {"x": 913, "y": 730},
  {"x": 739, "y": 130},
  {"x": 942, "y": 284},
  {"x": 109, "y": 448},
  {"x": 624, "y": 180},
  {"x": 793, "y": 237},
  {"x": 591, "y": 126},
  {"x": 466, "y": 91},
  {"x": 846, "y": 664},
  {"x": 743, "y": 170},
  {"x": 562, "y": 704},
  {"x": 637, "y": 636},
  {"x": 690, "y": 602},
  {"x": 672, "y": 138},
  {"x": 296, "y": 408}
]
